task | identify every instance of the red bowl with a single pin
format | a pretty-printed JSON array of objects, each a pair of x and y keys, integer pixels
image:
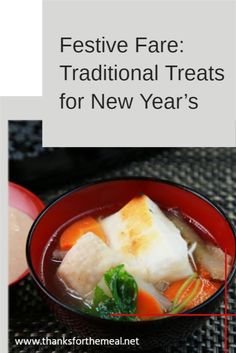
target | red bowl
[
  {"x": 109, "y": 196},
  {"x": 25, "y": 201}
]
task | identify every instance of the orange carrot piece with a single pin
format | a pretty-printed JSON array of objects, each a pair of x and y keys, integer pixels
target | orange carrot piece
[
  {"x": 203, "y": 272},
  {"x": 172, "y": 290},
  {"x": 147, "y": 304},
  {"x": 206, "y": 290},
  {"x": 72, "y": 233}
]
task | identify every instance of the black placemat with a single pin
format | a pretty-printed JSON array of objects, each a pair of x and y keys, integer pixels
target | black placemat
[
  {"x": 211, "y": 171},
  {"x": 32, "y": 166}
]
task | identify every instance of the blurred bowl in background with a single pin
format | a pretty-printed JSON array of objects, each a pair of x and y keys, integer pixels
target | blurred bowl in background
[{"x": 30, "y": 205}]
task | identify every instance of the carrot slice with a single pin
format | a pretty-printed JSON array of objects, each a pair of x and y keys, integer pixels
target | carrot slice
[
  {"x": 172, "y": 290},
  {"x": 203, "y": 272},
  {"x": 71, "y": 234},
  {"x": 147, "y": 304},
  {"x": 205, "y": 291}
]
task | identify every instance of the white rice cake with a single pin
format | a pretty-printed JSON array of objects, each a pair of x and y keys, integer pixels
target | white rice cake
[
  {"x": 151, "y": 245},
  {"x": 85, "y": 263}
]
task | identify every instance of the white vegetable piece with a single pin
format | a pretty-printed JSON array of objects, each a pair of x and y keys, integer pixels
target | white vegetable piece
[
  {"x": 164, "y": 302},
  {"x": 85, "y": 263},
  {"x": 151, "y": 245}
]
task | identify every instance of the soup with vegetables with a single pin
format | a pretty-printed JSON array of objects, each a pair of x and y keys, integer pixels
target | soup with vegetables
[{"x": 135, "y": 264}]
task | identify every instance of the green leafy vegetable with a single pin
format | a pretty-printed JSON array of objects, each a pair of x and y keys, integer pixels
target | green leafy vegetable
[
  {"x": 99, "y": 296},
  {"x": 123, "y": 288}
]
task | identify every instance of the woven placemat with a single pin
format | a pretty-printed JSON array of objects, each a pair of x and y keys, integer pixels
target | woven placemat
[{"x": 211, "y": 171}]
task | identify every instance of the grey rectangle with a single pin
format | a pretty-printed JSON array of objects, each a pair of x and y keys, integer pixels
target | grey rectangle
[{"x": 207, "y": 32}]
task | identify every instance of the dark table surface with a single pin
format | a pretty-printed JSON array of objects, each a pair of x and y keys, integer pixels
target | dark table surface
[{"x": 211, "y": 171}]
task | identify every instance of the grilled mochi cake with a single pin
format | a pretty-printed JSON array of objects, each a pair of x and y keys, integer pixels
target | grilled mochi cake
[{"x": 151, "y": 245}]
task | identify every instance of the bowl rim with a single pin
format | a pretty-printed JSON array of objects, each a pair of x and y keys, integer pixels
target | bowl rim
[
  {"x": 129, "y": 178},
  {"x": 35, "y": 200}
]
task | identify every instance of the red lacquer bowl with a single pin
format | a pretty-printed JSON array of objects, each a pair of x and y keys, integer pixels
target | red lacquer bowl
[
  {"x": 27, "y": 202},
  {"x": 109, "y": 196}
]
